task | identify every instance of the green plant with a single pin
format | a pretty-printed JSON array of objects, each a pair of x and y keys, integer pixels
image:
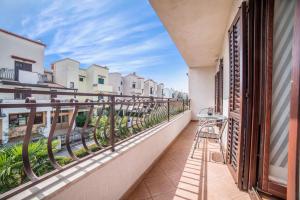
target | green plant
[
  {"x": 11, "y": 164},
  {"x": 80, "y": 120}
]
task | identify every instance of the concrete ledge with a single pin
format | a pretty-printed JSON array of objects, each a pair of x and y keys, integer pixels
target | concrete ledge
[{"x": 111, "y": 174}]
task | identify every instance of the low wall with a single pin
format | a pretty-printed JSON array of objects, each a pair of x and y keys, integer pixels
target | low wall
[
  {"x": 110, "y": 175},
  {"x": 117, "y": 176}
]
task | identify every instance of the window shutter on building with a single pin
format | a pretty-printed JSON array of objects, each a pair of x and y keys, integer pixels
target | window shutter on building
[
  {"x": 219, "y": 89},
  {"x": 237, "y": 70},
  {"x": 217, "y": 92}
]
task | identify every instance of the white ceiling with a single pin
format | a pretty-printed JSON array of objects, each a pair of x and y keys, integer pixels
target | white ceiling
[{"x": 196, "y": 26}]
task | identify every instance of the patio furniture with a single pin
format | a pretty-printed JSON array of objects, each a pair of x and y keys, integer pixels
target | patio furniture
[{"x": 215, "y": 121}]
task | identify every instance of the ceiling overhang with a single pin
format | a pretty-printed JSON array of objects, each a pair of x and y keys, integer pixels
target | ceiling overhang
[{"x": 196, "y": 26}]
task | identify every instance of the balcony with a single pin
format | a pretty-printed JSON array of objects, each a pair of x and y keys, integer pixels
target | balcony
[
  {"x": 178, "y": 176},
  {"x": 24, "y": 76},
  {"x": 114, "y": 132},
  {"x": 7, "y": 74}
]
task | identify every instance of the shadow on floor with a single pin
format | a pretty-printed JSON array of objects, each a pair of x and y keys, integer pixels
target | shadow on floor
[{"x": 178, "y": 176}]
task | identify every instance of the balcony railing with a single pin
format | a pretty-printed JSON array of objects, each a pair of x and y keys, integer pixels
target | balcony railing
[
  {"x": 7, "y": 74},
  {"x": 109, "y": 121}
]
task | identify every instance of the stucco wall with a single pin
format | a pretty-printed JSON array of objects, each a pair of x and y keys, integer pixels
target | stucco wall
[
  {"x": 201, "y": 88},
  {"x": 112, "y": 180},
  {"x": 147, "y": 85},
  {"x": 115, "y": 79},
  {"x": 127, "y": 86},
  {"x": 66, "y": 71},
  {"x": 11, "y": 45}
]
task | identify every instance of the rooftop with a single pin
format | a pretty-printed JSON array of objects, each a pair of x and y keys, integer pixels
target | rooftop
[{"x": 22, "y": 37}]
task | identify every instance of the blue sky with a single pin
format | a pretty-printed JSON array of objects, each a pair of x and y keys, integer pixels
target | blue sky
[{"x": 125, "y": 35}]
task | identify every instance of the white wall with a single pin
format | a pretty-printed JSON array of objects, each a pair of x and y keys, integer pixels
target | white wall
[
  {"x": 66, "y": 71},
  {"x": 12, "y": 45},
  {"x": 127, "y": 85},
  {"x": 115, "y": 79},
  {"x": 201, "y": 88},
  {"x": 148, "y": 84},
  {"x": 93, "y": 73},
  {"x": 160, "y": 90}
]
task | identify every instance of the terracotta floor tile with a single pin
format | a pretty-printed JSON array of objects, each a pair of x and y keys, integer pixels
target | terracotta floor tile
[
  {"x": 177, "y": 176},
  {"x": 165, "y": 196},
  {"x": 155, "y": 171},
  {"x": 141, "y": 192},
  {"x": 156, "y": 189}
]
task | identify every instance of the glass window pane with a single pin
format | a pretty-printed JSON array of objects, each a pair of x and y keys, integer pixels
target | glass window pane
[{"x": 281, "y": 89}]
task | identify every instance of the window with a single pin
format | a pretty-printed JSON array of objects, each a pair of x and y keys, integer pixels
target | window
[
  {"x": 61, "y": 119},
  {"x": 53, "y": 95},
  {"x": 81, "y": 79},
  {"x": 72, "y": 85},
  {"x": 121, "y": 82},
  {"x": 151, "y": 90},
  {"x": 219, "y": 89},
  {"x": 24, "y": 94},
  {"x": 38, "y": 118},
  {"x": 133, "y": 84},
  {"x": 119, "y": 88},
  {"x": 21, "y": 66},
  {"x": 101, "y": 80},
  {"x": 16, "y": 120}
]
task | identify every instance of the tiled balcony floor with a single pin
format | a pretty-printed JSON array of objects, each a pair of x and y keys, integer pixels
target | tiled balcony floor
[{"x": 177, "y": 176}]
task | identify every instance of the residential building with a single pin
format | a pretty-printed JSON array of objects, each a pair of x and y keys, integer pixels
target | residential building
[
  {"x": 150, "y": 88},
  {"x": 21, "y": 67},
  {"x": 133, "y": 84},
  {"x": 160, "y": 90},
  {"x": 93, "y": 79},
  {"x": 115, "y": 79},
  {"x": 169, "y": 92}
]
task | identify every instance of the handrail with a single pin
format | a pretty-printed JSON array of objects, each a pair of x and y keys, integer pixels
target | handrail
[{"x": 108, "y": 122}]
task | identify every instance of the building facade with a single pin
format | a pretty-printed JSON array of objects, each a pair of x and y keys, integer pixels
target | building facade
[
  {"x": 160, "y": 90},
  {"x": 68, "y": 73},
  {"x": 21, "y": 67},
  {"x": 115, "y": 79},
  {"x": 150, "y": 88},
  {"x": 133, "y": 85}
]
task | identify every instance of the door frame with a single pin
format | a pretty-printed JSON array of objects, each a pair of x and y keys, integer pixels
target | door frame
[
  {"x": 260, "y": 57},
  {"x": 294, "y": 131}
]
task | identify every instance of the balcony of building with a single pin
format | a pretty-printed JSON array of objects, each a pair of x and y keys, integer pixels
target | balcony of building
[
  {"x": 140, "y": 147},
  {"x": 176, "y": 175}
]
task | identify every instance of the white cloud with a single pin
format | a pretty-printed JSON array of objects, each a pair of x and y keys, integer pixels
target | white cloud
[{"x": 105, "y": 32}]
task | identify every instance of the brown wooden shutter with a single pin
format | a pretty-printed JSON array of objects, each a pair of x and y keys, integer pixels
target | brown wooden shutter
[
  {"x": 217, "y": 92},
  {"x": 221, "y": 85},
  {"x": 238, "y": 67}
]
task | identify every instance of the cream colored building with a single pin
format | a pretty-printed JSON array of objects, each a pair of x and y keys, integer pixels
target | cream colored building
[
  {"x": 93, "y": 79},
  {"x": 150, "y": 88},
  {"x": 160, "y": 90},
  {"x": 22, "y": 67},
  {"x": 133, "y": 85},
  {"x": 115, "y": 79}
]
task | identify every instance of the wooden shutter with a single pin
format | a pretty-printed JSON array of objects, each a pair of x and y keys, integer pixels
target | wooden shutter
[
  {"x": 238, "y": 68},
  {"x": 217, "y": 92},
  {"x": 221, "y": 85}
]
